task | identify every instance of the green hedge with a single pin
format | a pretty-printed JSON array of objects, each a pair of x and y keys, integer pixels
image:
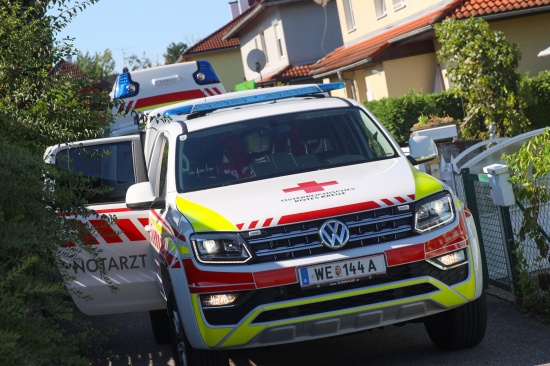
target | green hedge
[
  {"x": 398, "y": 115},
  {"x": 537, "y": 107}
]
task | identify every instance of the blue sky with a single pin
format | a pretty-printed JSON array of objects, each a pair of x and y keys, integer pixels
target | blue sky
[{"x": 144, "y": 26}]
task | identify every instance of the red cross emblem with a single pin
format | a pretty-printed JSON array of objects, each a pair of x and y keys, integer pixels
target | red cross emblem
[{"x": 310, "y": 187}]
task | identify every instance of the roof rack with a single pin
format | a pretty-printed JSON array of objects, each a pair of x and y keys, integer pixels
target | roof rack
[{"x": 251, "y": 99}]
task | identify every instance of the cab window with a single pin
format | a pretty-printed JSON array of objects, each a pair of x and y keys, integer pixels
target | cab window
[
  {"x": 106, "y": 165},
  {"x": 271, "y": 146}
]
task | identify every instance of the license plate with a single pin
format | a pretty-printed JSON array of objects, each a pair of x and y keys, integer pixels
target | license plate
[{"x": 342, "y": 272}]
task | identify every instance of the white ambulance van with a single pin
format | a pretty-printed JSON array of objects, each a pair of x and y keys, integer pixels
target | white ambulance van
[
  {"x": 143, "y": 90},
  {"x": 279, "y": 215}
]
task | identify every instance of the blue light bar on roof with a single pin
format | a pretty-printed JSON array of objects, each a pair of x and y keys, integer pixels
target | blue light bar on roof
[{"x": 251, "y": 99}]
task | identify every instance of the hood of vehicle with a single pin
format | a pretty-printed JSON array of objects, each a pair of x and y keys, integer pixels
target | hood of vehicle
[{"x": 305, "y": 196}]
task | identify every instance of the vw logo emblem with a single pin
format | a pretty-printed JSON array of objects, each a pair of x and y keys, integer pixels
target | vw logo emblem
[{"x": 334, "y": 234}]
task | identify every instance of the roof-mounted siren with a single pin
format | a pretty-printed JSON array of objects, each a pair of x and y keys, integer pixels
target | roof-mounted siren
[
  {"x": 323, "y": 3},
  {"x": 256, "y": 61}
]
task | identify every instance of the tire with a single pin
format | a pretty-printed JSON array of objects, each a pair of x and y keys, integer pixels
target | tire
[
  {"x": 184, "y": 353},
  {"x": 459, "y": 328},
  {"x": 160, "y": 325}
]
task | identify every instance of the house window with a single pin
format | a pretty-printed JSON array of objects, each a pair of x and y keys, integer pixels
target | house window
[
  {"x": 398, "y": 4},
  {"x": 264, "y": 47},
  {"x": 279, "y": 40},
  {"x": 380, "y": 8},
  {"x": 348, "y": 13}
]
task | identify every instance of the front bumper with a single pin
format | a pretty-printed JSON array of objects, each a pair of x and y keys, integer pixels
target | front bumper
[{"x": 311, "y": 316}]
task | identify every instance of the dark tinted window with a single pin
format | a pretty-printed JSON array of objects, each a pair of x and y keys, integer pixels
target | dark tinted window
[
  {"x": 278, "y": 145},
  {"x": 109, "y": 165}
]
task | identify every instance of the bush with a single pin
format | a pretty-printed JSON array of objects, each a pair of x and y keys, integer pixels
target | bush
[
  {"x": 537, "y": 108},
  {"x": 38, "y": 325},
  {"x": 398, "y": 115}
]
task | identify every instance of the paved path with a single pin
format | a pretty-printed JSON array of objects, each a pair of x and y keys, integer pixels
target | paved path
[{"x": 511, "y": 339}]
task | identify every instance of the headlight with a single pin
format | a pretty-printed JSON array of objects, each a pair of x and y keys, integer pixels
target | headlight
[
  {"x": 433, "y": 212},
  {"x": 220, "y": 248}
]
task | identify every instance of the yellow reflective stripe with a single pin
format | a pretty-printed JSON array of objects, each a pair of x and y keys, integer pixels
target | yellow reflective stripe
[
  {"x": 202, "y": 218},
  {"x": 154, "y": 106},
  {"x": 468, "y": 289},
  {"x": 211, "y": 336},
  {"x": 161, "y": 229},
  {"x": 183, "y": 249},
  {"x": 172, "y": 248},
  {"x": 425, "y": 184}
]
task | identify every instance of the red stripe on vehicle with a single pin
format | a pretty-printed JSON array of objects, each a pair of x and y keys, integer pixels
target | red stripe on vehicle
[
  {"x": 130, "y": 230},
  {"x": 267, "y": 222},
  {"x": 143, "y": 221},
  {"x": 454, "y": 235},
  {"x": 197, "y": 278},
  {"x": 164, "y": 224},
  {"x": 405, "y": 254},
  {"x": 329, "y": 212},
  {"x": 411, "y": 196},
  {"x": 217, "y": 91},
  {"x": 113, "y": 210},
  {"x": 239, "y": 226},
  {"x": 400, "y": 199},
  {"x": 228, "y": 288},
  {"x": 208, "y": 91},
  {"x": 168, "y": 98},
  {"x": 275, "y": 277},
  {"x": 87, "y": 237},
  {"x": 253, "y": 224},
  {"x": 180, "y": 236},
  {"x": 106, "y": 231},
  {"x": 387, "y": 201},
  {"x": 448, "y": 248}
]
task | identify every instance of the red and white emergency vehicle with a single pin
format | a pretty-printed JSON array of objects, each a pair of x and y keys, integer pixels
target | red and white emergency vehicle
[
  {"x": 139, "y": 91},
  {"x": 279, "y": 215}
]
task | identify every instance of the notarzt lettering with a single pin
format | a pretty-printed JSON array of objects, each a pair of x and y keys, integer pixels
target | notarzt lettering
[{"x": 113, "y": 264}]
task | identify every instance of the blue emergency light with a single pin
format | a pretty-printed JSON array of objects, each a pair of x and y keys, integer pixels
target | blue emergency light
[
  {"x": 205, "y": 74},
  {"x": 125, "y": 87},
  {"x": 251, "y": 99}
]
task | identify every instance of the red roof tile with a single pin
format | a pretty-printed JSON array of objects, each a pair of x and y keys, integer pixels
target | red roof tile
[
  {"x": 215, "y": 41},
  {"x": 348, "y": 55},
  {"x": 459, "y": 9},
  {"x": 290, "y": 73},
  {"x": 64, "y": 68},
  {"x": 487, "y": 7}
]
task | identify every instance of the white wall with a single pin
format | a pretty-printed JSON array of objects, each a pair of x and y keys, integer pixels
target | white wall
[{"x": 301, "y": 26}]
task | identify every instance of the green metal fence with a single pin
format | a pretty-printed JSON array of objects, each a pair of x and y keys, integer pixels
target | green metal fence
[{"x": 498, "y": 227}]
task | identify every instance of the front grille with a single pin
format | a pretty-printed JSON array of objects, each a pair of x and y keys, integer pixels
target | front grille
[
  {"x": 226, "y": 316},
  {"x": 302, "y": 240}
]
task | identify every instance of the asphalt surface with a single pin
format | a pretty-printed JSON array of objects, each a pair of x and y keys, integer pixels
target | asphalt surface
[{"x": 511, "y": 339}]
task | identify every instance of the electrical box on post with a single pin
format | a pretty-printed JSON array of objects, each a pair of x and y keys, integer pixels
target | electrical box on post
[{"x": 501, "y": 189}]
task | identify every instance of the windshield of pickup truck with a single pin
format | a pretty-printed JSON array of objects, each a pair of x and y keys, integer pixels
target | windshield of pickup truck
[{"x": 271, "y": 146}]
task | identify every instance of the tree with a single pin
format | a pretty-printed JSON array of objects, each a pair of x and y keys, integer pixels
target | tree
[
  {"x": 173, "y": 52},
  {"x": 483, "y": 67},
  {"x": 137, "y": 63},
  {"x": 98, "y": 66},
  {"x": 38, "y": 108}
]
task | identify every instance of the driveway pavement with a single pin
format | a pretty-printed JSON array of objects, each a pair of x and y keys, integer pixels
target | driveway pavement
[{"x": 511, "y": 339}]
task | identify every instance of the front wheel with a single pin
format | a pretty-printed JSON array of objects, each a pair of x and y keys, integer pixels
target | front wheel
[
  {"x": 184, "y": 353},
  {"x": 458, "y": 328}
]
